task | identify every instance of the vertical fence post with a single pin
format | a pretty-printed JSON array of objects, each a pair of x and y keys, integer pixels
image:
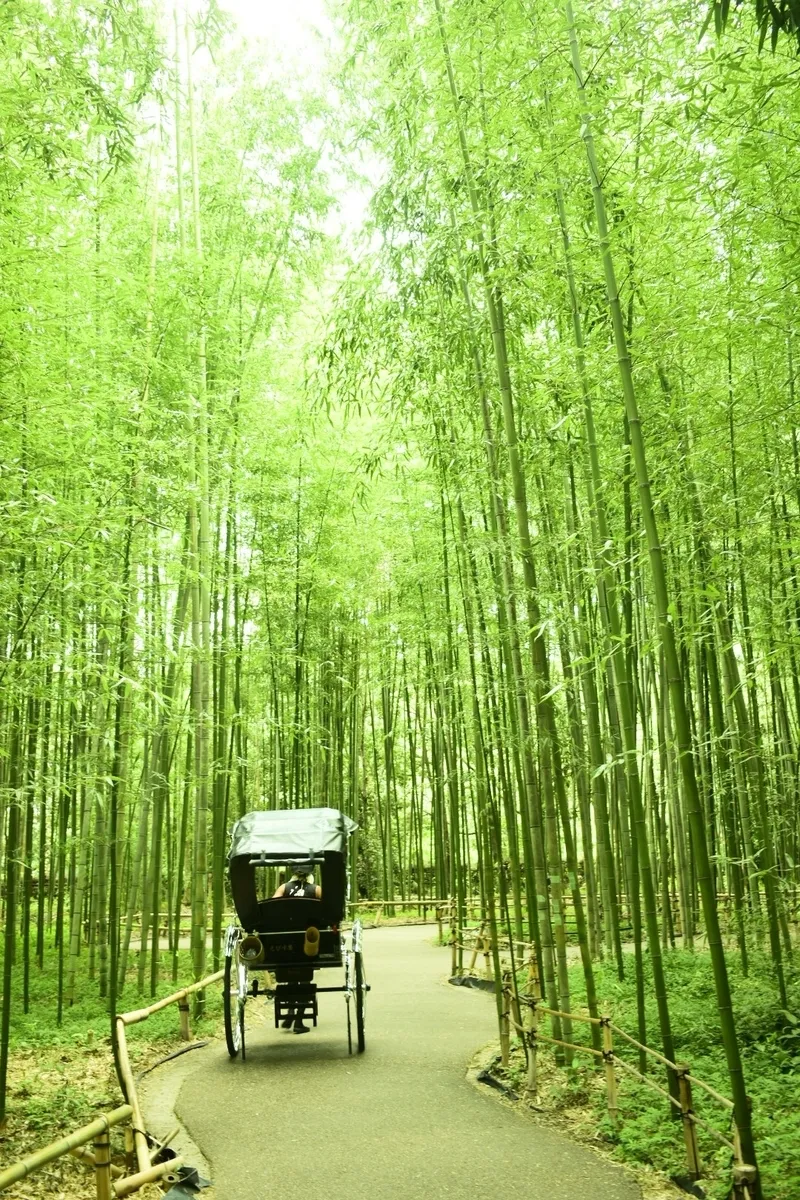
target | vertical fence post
[
  {"x": 488, "y": 972},
  {"x": 532, "y": 1023},
  {"x": 453, "y": 938},
  {"x": 130, "y": 1152},
  {"x": 505, "y": 1029},
  {"x": 608, "y": 1060},
  {"x": 476, "y": 948},
  {"x": 687, "y": 1116},
  {"x": 102, "y": 1166},
  {"x": 439, "y": 923},
  {"x": 186, "y": 1029},
  {"x": 744, "y": 1176},
  {"x": 516, "y": 1008}
]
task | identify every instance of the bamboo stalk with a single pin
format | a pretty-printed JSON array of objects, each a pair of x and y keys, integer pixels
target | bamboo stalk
[
  {"x": 651, "y": 1083},
  {"x": 486, "y": 944},
  {"x": 186, "y": 1029},
  {"x": 531, "y": 1020},
  {"x": 640, "y": 1046},
  {"x": 689, "y": 1125},
  {"x": 715, "y": 1133},
  {"x": 130, "y": 1150},
  {"x": 573, "y": 1016},
  {"x": 102, "y": 1166},
  {"x": 611, "y": 1079},
  {"x": 544, "y": 1037},
  {"x": 164, "y": 1142},
  {"x": 506, "y": 1021},
  {"x": 476, "y": 947},
  {"x": 663, "y": 602},
  {"x": 712, "y": 1092},
  {"x": 129, "y": 1086}
]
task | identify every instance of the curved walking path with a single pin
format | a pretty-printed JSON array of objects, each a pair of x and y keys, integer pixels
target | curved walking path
[{"x": 399, "y": 1121}]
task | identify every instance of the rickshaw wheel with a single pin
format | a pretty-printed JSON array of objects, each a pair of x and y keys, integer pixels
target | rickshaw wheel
[
  {"x": 348, "y": 987},
  {"x": 235, "y": 985},
  {"x": 361, "y": 1000}
]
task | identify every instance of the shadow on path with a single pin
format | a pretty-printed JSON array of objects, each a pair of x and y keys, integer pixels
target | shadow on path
[{"x": 399, "y": 1121}]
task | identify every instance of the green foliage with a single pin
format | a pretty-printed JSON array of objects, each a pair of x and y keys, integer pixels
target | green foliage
[
  {"x": 771, "y": 1056},
  {"x": 73, "y": 1106},
  {"x": 773, "y": 17},
  {"x": 73, "y": 74},
  {"x": 86, "y": 1022}
]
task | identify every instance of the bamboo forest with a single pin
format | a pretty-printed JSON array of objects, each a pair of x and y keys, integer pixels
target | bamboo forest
[{"x": 400, "y": 416}]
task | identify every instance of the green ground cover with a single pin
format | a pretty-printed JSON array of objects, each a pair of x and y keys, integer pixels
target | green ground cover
[{"x": 770, "y": 1040}]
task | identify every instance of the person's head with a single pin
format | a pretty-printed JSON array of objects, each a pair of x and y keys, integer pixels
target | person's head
[{"x": 303, "y": 872}]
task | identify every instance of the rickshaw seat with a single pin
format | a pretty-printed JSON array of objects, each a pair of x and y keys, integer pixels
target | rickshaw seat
[
  {"x": 292, "y": 912},
  {"x": 273, "y": 914}
]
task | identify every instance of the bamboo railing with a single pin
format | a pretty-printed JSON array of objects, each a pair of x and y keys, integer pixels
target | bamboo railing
[
  {"x": 129, "y": 1083},
  {"x": 438, "y": 909},
  {"x": 111, "y": 1181},
  {"x": 521, "y": 1012}
]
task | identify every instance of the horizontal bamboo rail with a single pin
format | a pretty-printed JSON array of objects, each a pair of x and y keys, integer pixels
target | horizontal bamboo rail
[
  {"x": 88, "y": 1133},
  {"x": 110, "y": 1180},
  {"x": 141, "y": 1014},
  {"x": 133, "y": 1018}
]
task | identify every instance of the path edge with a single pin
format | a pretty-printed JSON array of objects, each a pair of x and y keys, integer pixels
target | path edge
[
  {"x": 159, "y": 1095},
  {"x": 651, "y": 1184}
]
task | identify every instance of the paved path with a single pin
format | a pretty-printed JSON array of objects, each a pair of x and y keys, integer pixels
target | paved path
[{"x": 300, "y": 1117}]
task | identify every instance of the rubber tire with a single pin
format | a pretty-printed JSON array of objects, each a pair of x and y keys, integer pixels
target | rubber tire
[
  {"x": 233, "y": 1026},
  {"x": 349, "y": 1029},
  {"x": 360, "y": 996}
]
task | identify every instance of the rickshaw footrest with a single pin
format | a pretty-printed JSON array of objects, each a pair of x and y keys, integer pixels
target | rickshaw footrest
[{"x": 298, "y": 1007}]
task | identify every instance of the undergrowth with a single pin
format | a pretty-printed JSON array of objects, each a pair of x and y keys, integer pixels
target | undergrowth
[
  {"x": 769, "y": 1037},
  {"x": 62, "y": 1076}
]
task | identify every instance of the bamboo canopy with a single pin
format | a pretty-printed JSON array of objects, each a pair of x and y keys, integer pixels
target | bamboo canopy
[{"x": 459, "y": 496}]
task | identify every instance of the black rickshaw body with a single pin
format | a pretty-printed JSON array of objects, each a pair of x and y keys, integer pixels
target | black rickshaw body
[
  {"x": 291, "y": 937},
  {"x": 291, "y": 838}
]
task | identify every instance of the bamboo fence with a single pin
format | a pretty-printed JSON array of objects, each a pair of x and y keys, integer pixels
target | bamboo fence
[
  {"x": 110, "y": 1180},
  {"x": 521, "y": 1012},
  {"x": 377, "y": 910}
]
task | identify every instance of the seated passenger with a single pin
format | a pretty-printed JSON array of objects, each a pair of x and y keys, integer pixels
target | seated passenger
[{"x": 301, "y": 884}]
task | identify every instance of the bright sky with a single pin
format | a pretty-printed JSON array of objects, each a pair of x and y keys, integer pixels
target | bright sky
[
  {"x": 296, "y": 29},
  {"x": 299, "y": 38}
]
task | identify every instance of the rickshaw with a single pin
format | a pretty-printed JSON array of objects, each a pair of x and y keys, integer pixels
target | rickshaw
[{"x": 289, "y": 939}]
